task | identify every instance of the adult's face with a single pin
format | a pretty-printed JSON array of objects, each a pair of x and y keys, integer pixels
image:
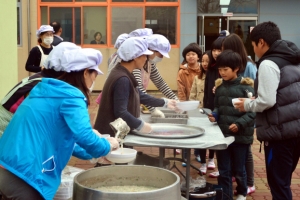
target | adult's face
[
  {"x": 140, "y": 61},
  {"x": 89, "y": 77},
  {"x": 46, "y": 34},
  {"x": 98, "y": 37},
  {"x": 155, "y": 53}
]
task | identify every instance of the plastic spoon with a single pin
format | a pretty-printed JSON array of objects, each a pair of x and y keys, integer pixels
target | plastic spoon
[{"x": 203, "y": 111}]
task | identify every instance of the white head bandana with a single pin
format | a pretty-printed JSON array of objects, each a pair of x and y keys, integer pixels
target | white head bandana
[
  {"x": 133, "y": 48},
  {"x": 69, "y": 57},
  {"x": 44, "y": 28}
]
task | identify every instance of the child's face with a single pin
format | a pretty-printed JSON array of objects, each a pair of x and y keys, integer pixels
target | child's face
[
  {"x": 227, "y": 73},
  {"x": 215, "y": 53},
  {"x": 205, "y": 61},
  {"x": 257, "y": 49},
  {"x": 191, "y": 57}
]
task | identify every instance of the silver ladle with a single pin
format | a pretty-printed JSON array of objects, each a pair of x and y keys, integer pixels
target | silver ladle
[{"x": 120, "y": 128}]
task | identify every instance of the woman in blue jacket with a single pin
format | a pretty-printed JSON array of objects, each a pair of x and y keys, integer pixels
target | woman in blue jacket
[{"x": 50, "y": 125}]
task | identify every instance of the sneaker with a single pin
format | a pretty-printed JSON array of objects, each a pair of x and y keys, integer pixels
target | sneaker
[
  {"x": 203, "y": 168},
  {"x": 251, "y": 189},
  {"x": 240, "y": 197},
  {"x": 233, "y": 179},
  {"x": 214, "y": 174},
  {"x": 198, "y": 158},
  {"x": 183, "y": 164},
  {"x": 211, "y": 164},
  {"x": 178, "y": 151}
]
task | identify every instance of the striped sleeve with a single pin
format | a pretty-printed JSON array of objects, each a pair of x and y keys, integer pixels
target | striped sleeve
[
  {"x": 160, "y": 83},
  {"x": 138, "y": 77}
]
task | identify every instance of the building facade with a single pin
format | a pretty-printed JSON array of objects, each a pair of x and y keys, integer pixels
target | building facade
[
  {"x": 8, "y": 50},
  {"x": 181, "y": 21}
]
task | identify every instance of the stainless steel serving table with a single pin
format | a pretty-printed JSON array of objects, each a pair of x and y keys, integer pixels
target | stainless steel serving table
[{"x": 211, "y": 139}]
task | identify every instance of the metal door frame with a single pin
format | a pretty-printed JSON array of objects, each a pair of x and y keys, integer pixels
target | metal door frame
[
  {"x": 202, "y": 41},
  {"x": 232, "y": 18},
  {"x": 241, "y": 18}
]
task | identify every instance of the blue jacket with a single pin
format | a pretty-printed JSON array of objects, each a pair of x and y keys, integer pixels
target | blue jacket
[
  {"x": 40, "y": 139},
  {"x": 250, "y": 71}
]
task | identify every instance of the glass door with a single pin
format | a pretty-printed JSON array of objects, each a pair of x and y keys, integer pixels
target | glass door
[
  {"x": 209, "y": 28},
  {"x": 241, "y": 26}
]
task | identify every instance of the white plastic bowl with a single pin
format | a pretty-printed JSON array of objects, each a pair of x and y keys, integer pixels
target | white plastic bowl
[
  {"x": 105, "y": 135},
  {"x": 187, "y": 105},
  {"x": 235, "y": 100},
  {"x": 118, "y": 156}
]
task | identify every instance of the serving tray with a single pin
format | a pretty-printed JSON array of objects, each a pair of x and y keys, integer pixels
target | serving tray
[
  {"x": 172, "y": 118},
  {"x": 172, "y": 131}
]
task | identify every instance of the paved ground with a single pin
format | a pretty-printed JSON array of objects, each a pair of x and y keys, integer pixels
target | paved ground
[{"x": 262, "y": 190}]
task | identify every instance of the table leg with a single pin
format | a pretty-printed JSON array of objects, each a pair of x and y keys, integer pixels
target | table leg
[
  {"x": 161, "y": 157},
  {"x": 187, "y": 176}
]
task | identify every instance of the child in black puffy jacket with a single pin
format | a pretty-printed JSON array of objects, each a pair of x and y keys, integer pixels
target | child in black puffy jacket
[{"x": 232, "y": 123}]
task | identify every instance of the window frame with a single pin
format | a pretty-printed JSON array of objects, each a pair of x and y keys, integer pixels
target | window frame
[
  {"x": 19, "y": 5},
  {"x": 109, "y": 5}
]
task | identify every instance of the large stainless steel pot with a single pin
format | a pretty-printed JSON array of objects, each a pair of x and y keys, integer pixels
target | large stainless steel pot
[{"x": 86, "y": 182}]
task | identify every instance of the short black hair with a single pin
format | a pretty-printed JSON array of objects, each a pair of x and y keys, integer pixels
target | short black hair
[
  {"x": 217, "y": 44},
  {"x": 97, "y": 34},
  {"x": 268, "y": 31},
  {"x": 194, "y": 47},
  {"x": 229, "y": 58},
  {"x": 56, "y": 26}
]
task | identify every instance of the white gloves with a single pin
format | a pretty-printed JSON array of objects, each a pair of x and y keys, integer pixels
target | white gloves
[
  {"x": 114, "y": 145},
  {"x": 94, "y": 160},
  {"x": 170, "y": 103},
  {"x": 157, "y": 113},
  {"x": 146, "y": 128}
]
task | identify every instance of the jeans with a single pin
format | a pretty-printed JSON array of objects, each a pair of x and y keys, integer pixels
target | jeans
[
  {"x": 281, "y": 159},
  {"x": 232, "y": 161}
]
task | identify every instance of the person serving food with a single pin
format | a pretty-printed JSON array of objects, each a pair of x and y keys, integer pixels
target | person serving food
[
  {"x": 122, "y": 96},
  {"x": 50, "y": 126}
]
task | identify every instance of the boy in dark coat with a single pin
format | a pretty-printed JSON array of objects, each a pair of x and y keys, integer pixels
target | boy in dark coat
[{"x": 231, "y": 161}]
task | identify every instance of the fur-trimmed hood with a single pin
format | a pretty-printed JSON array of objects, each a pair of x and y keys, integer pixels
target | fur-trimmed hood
[
  {"x": 226, "y": 112},
  {"x": 244, "y": 81}
]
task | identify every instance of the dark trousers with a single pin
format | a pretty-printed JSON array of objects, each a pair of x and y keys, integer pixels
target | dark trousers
[
  {"x": 281, "y": 158},
  {"x": 250, "y": 168},
  {"x": 14, "y": 188},
  {"x": 232, "y": 161},
  {"x": 202, "y": 153}
]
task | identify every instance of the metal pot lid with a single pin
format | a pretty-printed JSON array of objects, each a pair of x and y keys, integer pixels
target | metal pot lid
[{"x": 172, "y": 131}]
